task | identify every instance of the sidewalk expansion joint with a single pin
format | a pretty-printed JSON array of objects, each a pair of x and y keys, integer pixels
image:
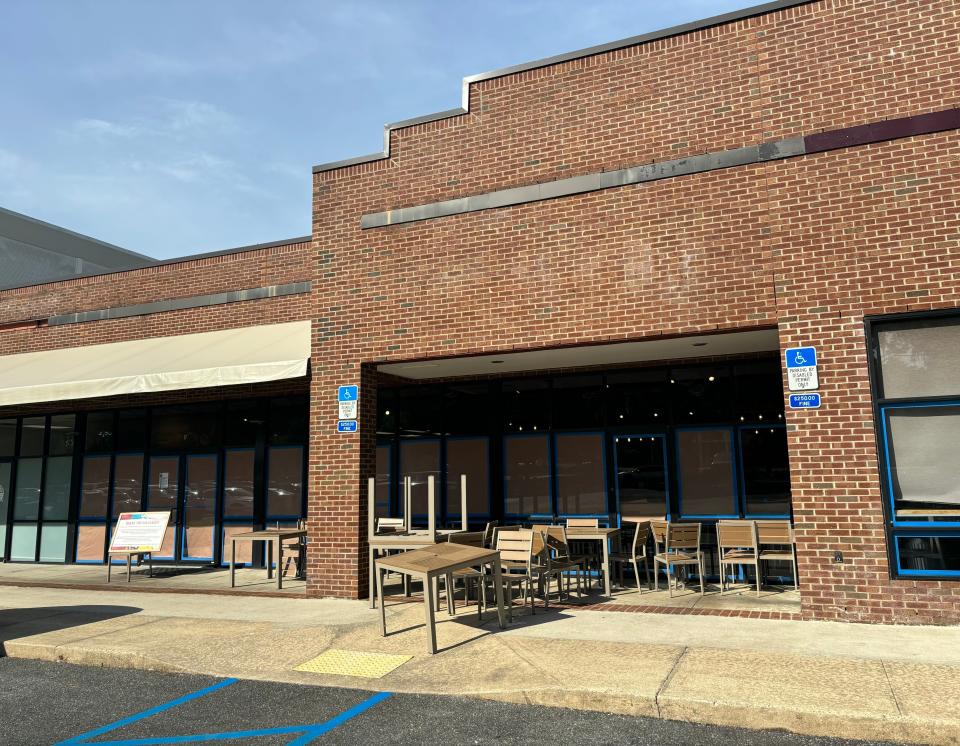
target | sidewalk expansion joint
[
  {"x": 667, "y": 680},
  {"x": 886, "y": 674}
]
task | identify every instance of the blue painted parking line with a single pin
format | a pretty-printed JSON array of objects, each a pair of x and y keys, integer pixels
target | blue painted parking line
[
  {"x": 147, "y": 713},
  {"x": 307, "y": 732}
]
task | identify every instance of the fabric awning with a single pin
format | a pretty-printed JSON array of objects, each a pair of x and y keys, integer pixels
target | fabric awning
[{"x": 189, "y": 361}]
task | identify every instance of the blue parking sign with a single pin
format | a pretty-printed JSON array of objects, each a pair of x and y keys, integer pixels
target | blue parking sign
[
  {"x": 346, "y": 426},
  {"x": 348, "y": 393}
]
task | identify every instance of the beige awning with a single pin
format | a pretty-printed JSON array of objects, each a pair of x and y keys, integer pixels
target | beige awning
[{"x": 190, "y": 361}]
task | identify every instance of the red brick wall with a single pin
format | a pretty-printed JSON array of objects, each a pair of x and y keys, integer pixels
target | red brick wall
[
  {"x": 252, "y": 269},
  {"x": 868, "y": 231},
  {"x": 727, "y": 249}
]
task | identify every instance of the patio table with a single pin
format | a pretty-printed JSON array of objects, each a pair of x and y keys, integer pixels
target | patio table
[
  {"x": 430, "y": 563},
  {"x": 603, "y": 535},
  {"x": 271, "y": 537}
]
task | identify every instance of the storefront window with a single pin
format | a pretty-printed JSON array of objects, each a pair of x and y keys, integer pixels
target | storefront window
[
  {"x": 638, "y": 398},
  {"x": 526, "y": 474},
  {"x": 6, "y": 470},
  {"x": 642, "y": 475},
  {"x": 525, "y": 405},
  {"x": 8, "y": 438},
  {"x": 99, "y": 434},
  {"x": 185, "y": 428},
  {"x": 56, "y": 489},
  {"x": 238, "y": 481},
  {"x": 705, "y": 474},
  {"x": 63, "y": 433},
  {"x": 53, "y": 542},
  {"x": 383, "y": 480},
  {"x": 26, "y": 501},
  {"x": 918, "y": 411},
  {"x": 95, "y": 487},
  {"x": 131, "y": 430},
  {"x": 577, "y": 402},
  {"x": 127, "y": 483},
  {"x": 284, "y": 482},
  {"x": 31, "y": 436},
  {"x": 468, "y": 457},
  {"x": 581, "y": 481},
  {"x": 766, "y": 471},
  {"x": 420, "y": 460}
]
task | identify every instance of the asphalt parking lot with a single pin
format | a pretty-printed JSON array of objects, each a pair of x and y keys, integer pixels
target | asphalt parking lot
[{"x": 55, "y": 703}]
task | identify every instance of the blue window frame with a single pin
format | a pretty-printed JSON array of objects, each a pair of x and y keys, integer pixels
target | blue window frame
[{"x": 913, "y": 381}]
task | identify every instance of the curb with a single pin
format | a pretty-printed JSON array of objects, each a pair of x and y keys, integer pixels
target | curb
[{"x": 908, "y": 730}]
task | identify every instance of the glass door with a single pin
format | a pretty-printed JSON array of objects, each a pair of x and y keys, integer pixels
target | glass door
[
  {"x": 199, "y": 508},
  {"x": 163, "y": 493},
  {"x": 640, "y": 462}
]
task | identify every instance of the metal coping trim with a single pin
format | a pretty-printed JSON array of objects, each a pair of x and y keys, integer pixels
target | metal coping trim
[
  {"x": 178, "y": 304},
  {"x": 769, "y": 151},
  {"x": 464, "y": 108}
]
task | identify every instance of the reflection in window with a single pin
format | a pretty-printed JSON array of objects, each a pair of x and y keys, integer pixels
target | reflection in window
[
  {"x": 91, "y": 538},
  {"x": 284, "y": 481},
  {"x": 924, "y": 468},
  {"x": 766, "y": 471},
  {"x": 929, "y": 553},
  {"x": 641, "y": 476},
  {"x": 706, "y": 472},
  {"x": 63, "y": 433},
  {"x": 53, "y": 542},
  {"x": 382, "y": 488},
  {"x": 26, "y": 500},
  {"x": 638, "y": 398},
  {"x": 525, "y": 405},
  {"x": 162, "y": 490},
  {"x": 23, "y": 542},
  {"x": 468, "y": 456},
  {"x": 31, "y": 436},
  {"x": 99, "y": 435},
  {"x": 526, "y": 469},
  {"x": 6, "y": 469},
  {"x": 127, "y": 483},
  {"x": 581, "y": 484},
  {"x": 56, "y": 488},
  {"x": 419, "y": 460},
  {"x": 199, "y": 507},
  {"x": 578, "y": 402},
  {"x": 919, "y": 358},
  {"x": 238, "y": 480},
  {"x": 8, "y": 438}
]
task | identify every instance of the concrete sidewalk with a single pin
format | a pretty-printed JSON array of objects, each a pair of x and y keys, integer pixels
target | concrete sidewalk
[{"x": 853, "y": 681}]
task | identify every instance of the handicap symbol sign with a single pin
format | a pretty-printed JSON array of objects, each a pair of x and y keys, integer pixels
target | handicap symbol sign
[
  {"x": 801, "y": 357},
  {"x": 802, "y": 368},
  {"x": 348, "y": 393}
]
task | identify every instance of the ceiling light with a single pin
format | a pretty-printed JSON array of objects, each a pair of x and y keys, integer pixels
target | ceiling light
[
  {"x": 712, "y": 378},
  {"x": 699, "y": 344},
  {"x": 496, "y": 362}
]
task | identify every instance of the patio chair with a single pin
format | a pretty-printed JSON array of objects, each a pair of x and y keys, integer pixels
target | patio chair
[
  {"x": 638, "y": 551},
  {"x": 737, "y": 545},
  {"x": 468, "y": 575},
  {"x": 681, "y": 547},
  {"x": 658, "y": 530},
  {"x": 390, "y": 525},
  {"x": 781, "y": 535},
  {"x": 588, "y": 553},
  {"x": 293, "y": 550},
  {"x": 488, "y": 533},
  {"x": 557, "y": 560},
  {"x": 517, "y": 549}
]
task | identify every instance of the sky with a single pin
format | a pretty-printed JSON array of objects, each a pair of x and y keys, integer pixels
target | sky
[{"x": 184, "y": 126}]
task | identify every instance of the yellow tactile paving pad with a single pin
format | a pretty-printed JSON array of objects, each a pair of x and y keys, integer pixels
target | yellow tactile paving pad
[{"x": 354, "y": 663}]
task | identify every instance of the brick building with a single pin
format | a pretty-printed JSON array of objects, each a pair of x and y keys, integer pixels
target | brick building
[{"x": 578, "y": 290}]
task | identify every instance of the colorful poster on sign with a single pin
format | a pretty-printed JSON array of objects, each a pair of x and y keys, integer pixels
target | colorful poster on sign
[{"x": 140, "y": 532}]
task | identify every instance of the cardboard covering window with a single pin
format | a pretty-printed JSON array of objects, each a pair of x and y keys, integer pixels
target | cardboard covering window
[{"x": 190, "y": 361}]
